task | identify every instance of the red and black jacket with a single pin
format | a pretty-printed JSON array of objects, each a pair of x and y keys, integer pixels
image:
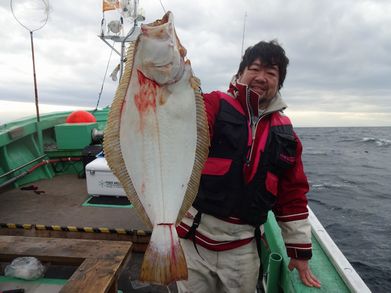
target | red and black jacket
[
  {"x": 235, "y": 181},
  {"x": 251, "y": 170}
]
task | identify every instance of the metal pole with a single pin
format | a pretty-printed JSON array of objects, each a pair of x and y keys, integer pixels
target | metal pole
[
  {"x": 39, "y": 132},
  {"x": 35, "y": 77},
  {"x": 244, "y": 31},
  {"x": 20, "y": 167},
  {"x": 123, "y": 58}
]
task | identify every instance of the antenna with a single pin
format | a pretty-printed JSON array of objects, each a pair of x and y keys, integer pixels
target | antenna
[{"x": 244, "y": 31}]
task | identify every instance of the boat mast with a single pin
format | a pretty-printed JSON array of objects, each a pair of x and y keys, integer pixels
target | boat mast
[
  {"x": 113, "y": 29},
  {"x": 244, "y": 31}
]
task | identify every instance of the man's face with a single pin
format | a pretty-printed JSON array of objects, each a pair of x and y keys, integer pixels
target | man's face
[{"x": 261, "y": 79}]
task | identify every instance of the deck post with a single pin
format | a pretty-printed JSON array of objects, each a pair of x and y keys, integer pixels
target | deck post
[{"x": 273, "y": 273}]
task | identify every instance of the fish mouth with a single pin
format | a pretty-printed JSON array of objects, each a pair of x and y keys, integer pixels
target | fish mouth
[
  {"x": 167, "y": 18},
  {"x": 161, "y": 29}
]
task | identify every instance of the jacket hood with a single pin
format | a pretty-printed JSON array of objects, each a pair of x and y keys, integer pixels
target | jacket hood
[{"x": 241, "y": 91}]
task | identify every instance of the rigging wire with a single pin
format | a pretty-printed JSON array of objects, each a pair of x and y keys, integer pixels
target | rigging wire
[
  {"x": 164, "y": 9},
  {"x": 104, "y": 78}
]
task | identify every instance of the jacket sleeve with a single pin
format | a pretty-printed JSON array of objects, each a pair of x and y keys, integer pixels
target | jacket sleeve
[{"x": 291, "y": 209}]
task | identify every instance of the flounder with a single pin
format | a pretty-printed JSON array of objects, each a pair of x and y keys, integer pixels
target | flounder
[{"x": 156, "y": 142}]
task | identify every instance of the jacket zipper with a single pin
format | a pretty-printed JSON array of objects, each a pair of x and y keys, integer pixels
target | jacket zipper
[
  {"x": 254, "y": 131},
  {"x": 253, "y": 127}
]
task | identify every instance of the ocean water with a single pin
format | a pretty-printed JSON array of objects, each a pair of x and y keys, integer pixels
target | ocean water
[{"x": 349, "y": 170}]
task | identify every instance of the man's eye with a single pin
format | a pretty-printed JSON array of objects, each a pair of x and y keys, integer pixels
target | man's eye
[{"x": 272, "y": 72}]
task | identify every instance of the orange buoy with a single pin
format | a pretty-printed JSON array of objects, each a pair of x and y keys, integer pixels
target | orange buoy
[{"x": 80, "y": 116}]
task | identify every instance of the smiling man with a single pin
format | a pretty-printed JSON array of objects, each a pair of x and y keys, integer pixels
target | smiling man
[{"x": 254, "y": 166}]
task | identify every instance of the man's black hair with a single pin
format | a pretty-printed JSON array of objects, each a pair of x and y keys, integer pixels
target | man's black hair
[{"x": 270, "y": 53}]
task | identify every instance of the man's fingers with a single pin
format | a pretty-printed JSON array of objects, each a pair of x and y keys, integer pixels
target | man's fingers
[
  {"x": 305, "y": 273},
  {"x": 304, "y": 279},
  {"x": 314, "y": 281},
  {"x": 309, "y": 279}
]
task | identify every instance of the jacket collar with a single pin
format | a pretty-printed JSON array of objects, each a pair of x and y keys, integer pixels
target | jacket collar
[{"x": 249, "y": 99}]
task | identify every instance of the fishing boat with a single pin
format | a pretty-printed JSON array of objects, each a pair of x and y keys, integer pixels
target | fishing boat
[{"x": 55, "y": 184}]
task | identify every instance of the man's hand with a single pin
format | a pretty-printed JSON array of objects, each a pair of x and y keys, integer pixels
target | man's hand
[{"x": 305, "y": 273}]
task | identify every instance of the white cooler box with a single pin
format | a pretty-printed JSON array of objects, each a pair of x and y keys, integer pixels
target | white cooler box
[{"x": 101, "y": 180}]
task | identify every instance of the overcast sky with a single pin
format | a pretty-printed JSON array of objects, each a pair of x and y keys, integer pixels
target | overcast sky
[{"x": 340, "y": 62}]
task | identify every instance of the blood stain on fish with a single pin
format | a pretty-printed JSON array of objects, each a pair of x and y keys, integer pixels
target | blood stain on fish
[
  {"x": 145, "y": 99},
  {"x": 173, "y": 253}
]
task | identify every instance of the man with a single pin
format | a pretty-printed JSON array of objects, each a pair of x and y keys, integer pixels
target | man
[{"x": 254, "y": 165}]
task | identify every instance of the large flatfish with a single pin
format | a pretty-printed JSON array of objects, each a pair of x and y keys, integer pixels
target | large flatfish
[{"x": 156, "y": 142}]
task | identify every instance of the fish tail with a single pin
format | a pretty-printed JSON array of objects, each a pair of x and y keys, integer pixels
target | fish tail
[{"x": 164, "y": 261}]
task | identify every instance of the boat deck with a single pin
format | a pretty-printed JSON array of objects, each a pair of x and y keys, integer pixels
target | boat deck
[
  {"x": 60, "y": 207},
  {"x": 55, "y": 209},
  {"x": 60, "y": 203}
]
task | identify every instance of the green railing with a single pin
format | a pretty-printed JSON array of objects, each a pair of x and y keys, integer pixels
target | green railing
[
  {"x": 289, "y": 281},
  {"x": 24, "y": 142}
]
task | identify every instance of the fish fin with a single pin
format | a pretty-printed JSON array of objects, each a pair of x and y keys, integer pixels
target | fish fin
[
  {"x": 202, "y": 150},
  {"x": 111, "y": 141},
  {"x": 164, "y": 249},
  {"x": 182, "y": 50}
]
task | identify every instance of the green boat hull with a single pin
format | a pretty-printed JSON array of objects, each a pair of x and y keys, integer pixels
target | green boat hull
[{"x": 25, "y": 142}]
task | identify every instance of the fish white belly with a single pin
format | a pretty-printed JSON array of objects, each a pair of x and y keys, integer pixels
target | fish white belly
[{"x": 158, "y": 143}]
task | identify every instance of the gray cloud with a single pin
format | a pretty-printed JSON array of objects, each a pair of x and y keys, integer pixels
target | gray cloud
[{"x": 338, "y": 50}]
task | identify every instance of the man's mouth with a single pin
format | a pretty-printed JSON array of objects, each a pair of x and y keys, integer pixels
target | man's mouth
[{"x": 259, "y": 90}]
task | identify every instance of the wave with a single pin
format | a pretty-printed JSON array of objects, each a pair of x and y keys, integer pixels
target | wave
[
  {"x": 346, "y": 139},
  {"x": 312, "y": 151},
  {"x": 340, "y": 183},
  {"x": 381, "y": 142},
  {"x": 317, "y": 201},
  {"x": 373, "y": 167},
  {"x": 326, "y": 186},
  {"x": 315, "y": 153}
]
